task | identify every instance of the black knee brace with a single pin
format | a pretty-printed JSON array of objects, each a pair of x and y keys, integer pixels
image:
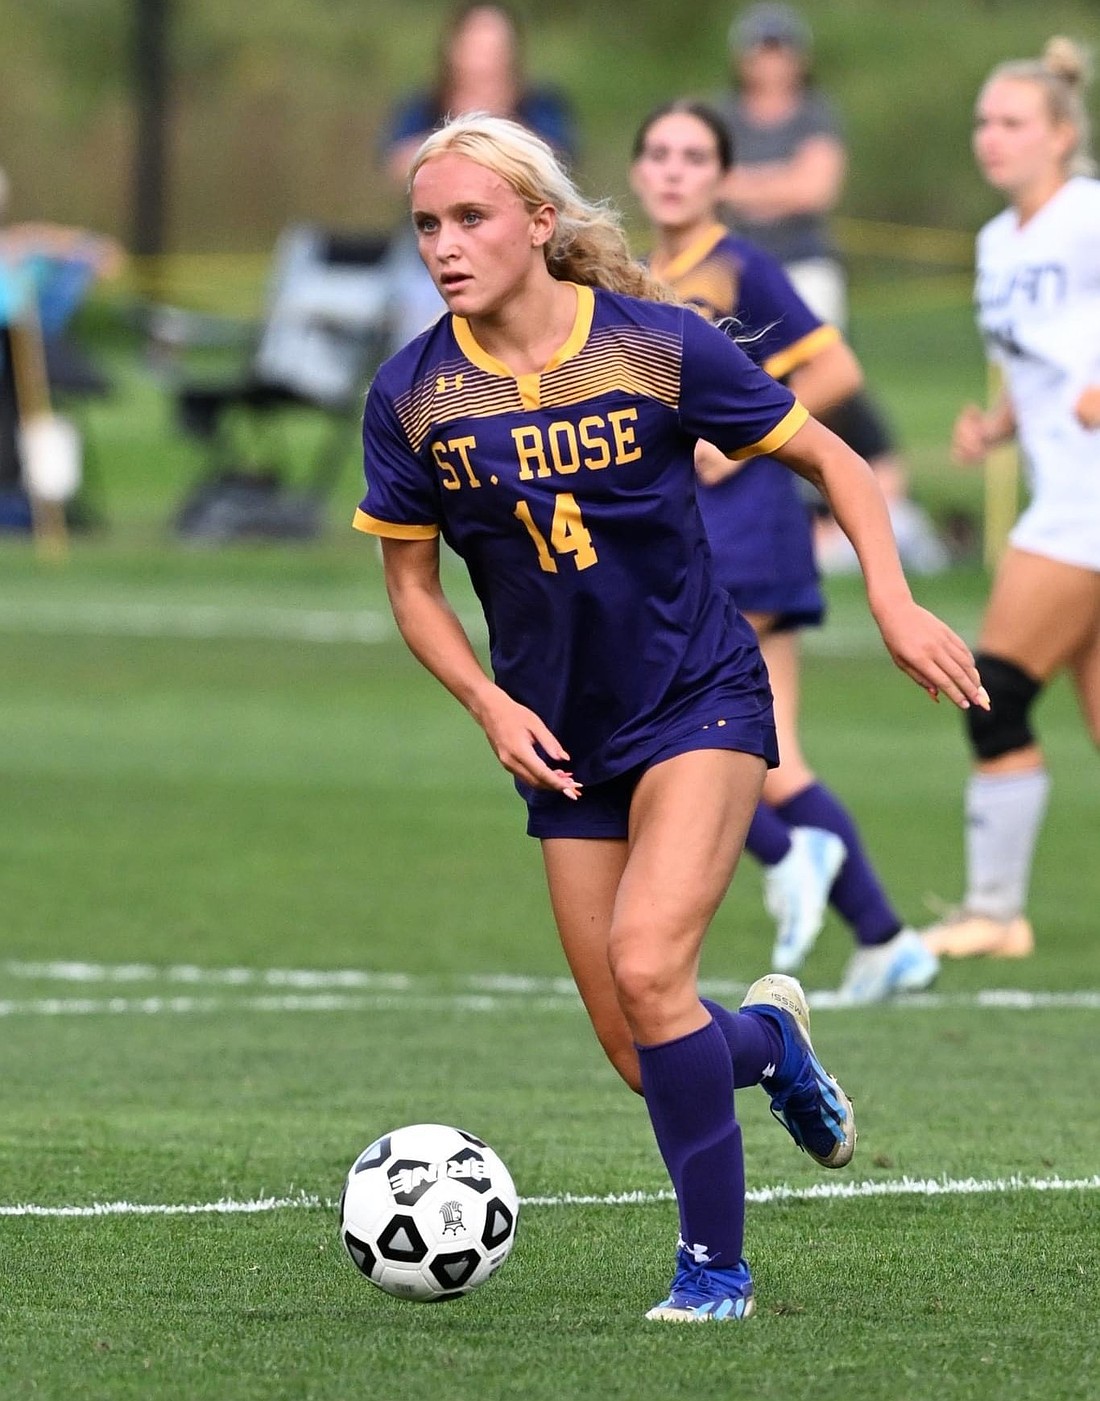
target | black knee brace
[{"x": 1004, "y": 726}]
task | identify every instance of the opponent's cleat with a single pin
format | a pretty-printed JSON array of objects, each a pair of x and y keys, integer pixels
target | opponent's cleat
[
  {"x": 796, "y": 893},
  {"x": 699, "y": 1294},
  {"x": 903, "y": 964},
  {"x": 964, "y": 935},
  {"x": 805, "y": 1098}
]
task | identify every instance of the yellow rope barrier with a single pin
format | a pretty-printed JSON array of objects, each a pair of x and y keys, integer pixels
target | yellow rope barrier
[
  {"x": 206, "y": 280},
  {"x": 905, "y": 242},
  {"x": 1002, "y": 485}
]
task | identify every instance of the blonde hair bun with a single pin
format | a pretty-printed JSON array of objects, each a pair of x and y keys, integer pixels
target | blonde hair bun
[{"x": 1068, "y": 60}]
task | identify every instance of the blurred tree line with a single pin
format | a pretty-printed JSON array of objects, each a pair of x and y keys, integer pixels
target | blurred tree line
[{"x": 277, "y": 107}]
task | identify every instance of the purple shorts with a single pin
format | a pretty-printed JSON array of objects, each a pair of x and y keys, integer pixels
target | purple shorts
[{"x": 603, "y": 809}]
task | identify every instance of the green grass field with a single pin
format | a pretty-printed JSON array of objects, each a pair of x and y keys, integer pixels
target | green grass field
[
  {"x": 203, "y": 803},
  {"x": 266, "y": 894}
]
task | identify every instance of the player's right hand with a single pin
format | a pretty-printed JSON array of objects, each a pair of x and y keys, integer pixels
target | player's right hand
[
  {"x": 1087, "y": 408},
  {"x": 516, "y": 735},
  {"x": 931, "y": 654},
  {"x": 970, "y": 441}
]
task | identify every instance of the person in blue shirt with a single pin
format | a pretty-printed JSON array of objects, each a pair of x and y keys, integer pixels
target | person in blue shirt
[
  {"x": 46, "y": 270},
  {"x": 480, "y": 68},
  {"x": 761, "y": 538},
  {"x": 545, "y": 429}
]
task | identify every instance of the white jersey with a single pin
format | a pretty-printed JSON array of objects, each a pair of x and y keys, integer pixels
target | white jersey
[{"x": 1038, "y": 296}]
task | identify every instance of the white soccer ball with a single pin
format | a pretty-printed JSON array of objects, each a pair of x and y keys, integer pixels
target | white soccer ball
[{"x": 428, "y": 1212}]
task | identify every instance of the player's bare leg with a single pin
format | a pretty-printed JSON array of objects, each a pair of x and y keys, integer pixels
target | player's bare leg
[
  {"x": 583, "y": 878},
  {"x": 1041, "y": 616},
  {"x": 1085, "y": 669},
  {"x": 687, "y": 826},
  {"x": 676, "y": 883},
  {"x": 796, "y": 887}
]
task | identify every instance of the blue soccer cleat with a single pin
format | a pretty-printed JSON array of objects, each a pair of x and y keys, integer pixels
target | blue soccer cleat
[
  {"x": 699, "y": 1294},
  {"x": 903, "y": 964},
  {"x": 796, "y": 893},
  {"x": 805, "y": 1098}
]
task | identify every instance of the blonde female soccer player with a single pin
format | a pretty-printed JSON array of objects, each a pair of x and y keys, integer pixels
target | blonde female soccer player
[
  {"x": 545, "y": 429},
  {"x": 1038, "y": 296}
]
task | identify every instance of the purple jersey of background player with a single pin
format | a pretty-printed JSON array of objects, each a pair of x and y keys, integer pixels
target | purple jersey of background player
[
  {"x": 573, "y": 487},
  {"x": 759, "y": 529}
]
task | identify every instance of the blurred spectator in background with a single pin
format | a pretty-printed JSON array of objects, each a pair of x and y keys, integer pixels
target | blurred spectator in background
[
  {"x": 60, "y": 261},
  {"x": 791, "y": 165},
  {"x": 45, "y": 273},
  {"x": 480, "y": 69}
]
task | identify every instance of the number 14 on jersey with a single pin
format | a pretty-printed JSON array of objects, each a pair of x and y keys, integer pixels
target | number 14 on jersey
[{"x": 568, "y": 535}]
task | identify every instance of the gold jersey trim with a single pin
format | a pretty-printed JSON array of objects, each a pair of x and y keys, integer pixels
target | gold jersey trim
[
  {"x": 371, "y": 525},
  {"x": 454, "y": 389},
  {"x": 529, "y": 386},
  {"x": 694, "y": 253},
  {"x": 782, "y": 433},
  {"x": 588, "y": 365},
  {"x": 802, "y": 351},
  {"x": 618, "y": 358}
]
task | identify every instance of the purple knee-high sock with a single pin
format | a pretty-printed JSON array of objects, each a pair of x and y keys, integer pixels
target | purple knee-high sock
[
  {"x": 756, "y": 1047},
  {"x": 688, "y": 1088},
  {"x": 857, "y": 894},
  {"x": 768, "y": 837}
]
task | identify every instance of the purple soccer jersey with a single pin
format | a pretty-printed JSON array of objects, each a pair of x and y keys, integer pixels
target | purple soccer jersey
[
  {"x": 570, "y": 495},
  {"x": 723, "y": 275},
  {"x": 757, "y": 521}
]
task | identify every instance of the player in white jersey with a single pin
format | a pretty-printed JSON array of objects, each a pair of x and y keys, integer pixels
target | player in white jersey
[{"x": 1038, "y": 296}]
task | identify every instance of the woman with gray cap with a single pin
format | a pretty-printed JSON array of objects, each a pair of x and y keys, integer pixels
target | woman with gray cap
[
  {"x": 788, "y": 177},
  {"x": 791, "y": 160}
]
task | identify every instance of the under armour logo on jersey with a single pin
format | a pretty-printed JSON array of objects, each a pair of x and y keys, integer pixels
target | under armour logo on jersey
[
  {"x": 698, "y": 1253},
  {"x": 441, "y": 384},
  {"x": 768, "y": 1071}
]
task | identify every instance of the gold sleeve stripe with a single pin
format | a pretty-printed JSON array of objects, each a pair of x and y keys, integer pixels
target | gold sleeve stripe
[
  {"x": 784, "y": 361},
  {"x": 782, "y": 433},
  {"x": 371, "y": 525}
]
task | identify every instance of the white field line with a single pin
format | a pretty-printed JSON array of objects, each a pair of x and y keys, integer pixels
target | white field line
[
  {"x": 781, "y": 1192},
  {"x": 475, "y": 1003},
  {"x": 174, "y": 989},
  {"x": 66, "y": 971},
  {"x": 208, "y": 621},
  {"x": 197, "y": 620},
  {"x": 292, "y": 1002}
]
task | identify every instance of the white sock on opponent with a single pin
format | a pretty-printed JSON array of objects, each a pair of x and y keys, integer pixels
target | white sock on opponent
[{"x": 1004, "y": 813}]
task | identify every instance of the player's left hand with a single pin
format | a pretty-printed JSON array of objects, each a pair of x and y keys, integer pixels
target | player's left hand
[
  {"x": 931, "y": 654},
  {"x": 1087, "y": 407},
  {"x": 712, "y": 465}
]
